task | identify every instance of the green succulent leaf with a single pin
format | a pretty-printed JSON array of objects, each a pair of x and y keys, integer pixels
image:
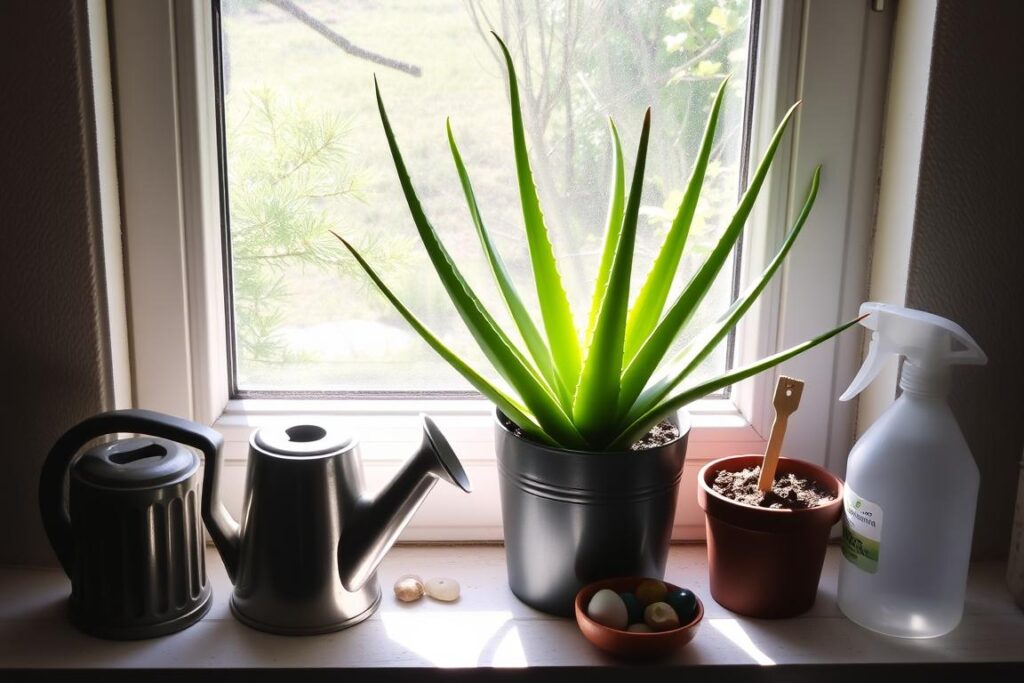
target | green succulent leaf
[
  {"x": 611, "y": 234},
  {"x": 647, "y": 308},
  {"x": 596, "y": 402},
  {"x": 654, "y": 348},
  {"x": 699, "y": 349},
  {"x": 531, "y": 335},
  {"x": 554, "y": 303},
  {"x": 643, "y": 423},
  {"x": 508, "y": 405},
  {"x": 495, "y": 344}
]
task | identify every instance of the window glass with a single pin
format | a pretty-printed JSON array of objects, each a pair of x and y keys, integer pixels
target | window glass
[{"x": 305, "y": 153}]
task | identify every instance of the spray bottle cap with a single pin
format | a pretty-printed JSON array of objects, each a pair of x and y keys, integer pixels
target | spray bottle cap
[{"x": 926, "y": 340}]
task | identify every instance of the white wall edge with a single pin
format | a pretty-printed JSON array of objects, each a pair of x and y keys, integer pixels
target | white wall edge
[
  {"x": 110, "y": 207},
  {"x": 901, "y": 160},
  {"x": 152, "y": 204}
]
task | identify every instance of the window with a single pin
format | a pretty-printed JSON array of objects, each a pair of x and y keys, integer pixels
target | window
[
  {"x": 829, "y": 54},
  {"x": 305, "y": 152}
]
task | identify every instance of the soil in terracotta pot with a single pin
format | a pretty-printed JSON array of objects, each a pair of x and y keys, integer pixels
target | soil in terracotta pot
[
  {"x": 789, "y": 492},
  {"x": 662, "y": 433}
]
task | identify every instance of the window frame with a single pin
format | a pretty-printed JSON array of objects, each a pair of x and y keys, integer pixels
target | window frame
[{"x": 168, "y": 142}]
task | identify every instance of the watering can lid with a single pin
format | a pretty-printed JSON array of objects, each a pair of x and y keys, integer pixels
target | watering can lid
[
  {"x": 303, "y": 439},
  {"x": 136, "y": 463}
]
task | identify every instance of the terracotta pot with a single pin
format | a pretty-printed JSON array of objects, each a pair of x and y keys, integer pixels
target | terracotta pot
[{"x": 763, "y": 562}]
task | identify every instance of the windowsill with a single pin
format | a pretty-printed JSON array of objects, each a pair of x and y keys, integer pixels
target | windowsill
[
  {"x": 466, "y": 421},
  {"x": 488, "y": 627},
  {"x": 388, "y": 431}
]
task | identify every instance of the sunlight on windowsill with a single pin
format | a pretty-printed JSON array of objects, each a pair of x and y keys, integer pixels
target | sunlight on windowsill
[
  {"x": 488, "y": 638},
  {"x": 733, "y": 631}
]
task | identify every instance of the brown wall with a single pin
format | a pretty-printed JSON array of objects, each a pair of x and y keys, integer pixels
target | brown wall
[
  {"x": 968, "y": 246},
  {"x": 52, "y": 343}
]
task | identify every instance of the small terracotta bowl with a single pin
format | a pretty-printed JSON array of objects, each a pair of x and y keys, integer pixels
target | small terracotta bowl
[{"x": 626, "y": 643}]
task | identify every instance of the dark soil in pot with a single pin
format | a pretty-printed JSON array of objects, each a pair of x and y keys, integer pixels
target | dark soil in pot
[
  {"x": 788, "y": 492},
  {"x": 764, "y": 561},
  {"x": 662, "y": 433},
  {"x": 574, "y": 517}
]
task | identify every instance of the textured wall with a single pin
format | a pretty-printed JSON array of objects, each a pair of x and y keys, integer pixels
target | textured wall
[
  {"x": 54, "y": 334},
  {"x": 966, "y": 258}
]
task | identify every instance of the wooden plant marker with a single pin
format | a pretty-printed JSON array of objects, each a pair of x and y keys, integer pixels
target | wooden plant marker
[{"x": 786, "y": 401}]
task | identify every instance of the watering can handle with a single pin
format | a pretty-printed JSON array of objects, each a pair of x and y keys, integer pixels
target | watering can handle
[{"x": 51, "y": 480}]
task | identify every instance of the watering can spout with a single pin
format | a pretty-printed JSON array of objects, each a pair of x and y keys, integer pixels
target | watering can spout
[{"x": 378, "y": 521}]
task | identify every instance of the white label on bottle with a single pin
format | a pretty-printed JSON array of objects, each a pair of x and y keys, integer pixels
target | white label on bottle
[{"x": 862, "y": 531}]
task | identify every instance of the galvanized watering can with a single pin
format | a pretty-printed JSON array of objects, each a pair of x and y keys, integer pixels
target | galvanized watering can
[{"x": 303, "y": 559}]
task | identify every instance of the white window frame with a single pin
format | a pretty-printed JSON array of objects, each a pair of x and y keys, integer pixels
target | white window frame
[{"x": 833, "y": 55}]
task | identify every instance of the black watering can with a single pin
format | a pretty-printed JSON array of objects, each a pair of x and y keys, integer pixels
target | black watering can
[{"x": 129, "y": 534}]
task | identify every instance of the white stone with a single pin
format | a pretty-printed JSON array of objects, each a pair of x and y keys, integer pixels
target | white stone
[
  {"x": 608, "y": 609},
  {"x": 446, "y": 590}
]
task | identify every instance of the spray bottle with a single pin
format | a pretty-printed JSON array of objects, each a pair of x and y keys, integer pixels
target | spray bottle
[{"x": 911, "y": 484}]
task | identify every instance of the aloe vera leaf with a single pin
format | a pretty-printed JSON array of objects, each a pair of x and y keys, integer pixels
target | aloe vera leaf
[
  {"x": 531, "y": 335},
  {"x": 515, "y": 412},
  {"x": 554, "y": 303},
  {"x": 647, "y": 308},
  {"x": 495, "y": 344},
  {"x": 654, "y": 348},
  {"x": 611, "y": 234},
  {"x": 596, "y": 402},
  {"x": 696, "y": 351},
  {"x": 642, "y": 424}
]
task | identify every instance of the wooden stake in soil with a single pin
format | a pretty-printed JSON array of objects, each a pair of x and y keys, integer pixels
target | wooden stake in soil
[{"x": 786, "y": 401}]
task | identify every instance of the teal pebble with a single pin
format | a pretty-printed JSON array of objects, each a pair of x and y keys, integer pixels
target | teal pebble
[
  {"x": 633, "y": 608},
  {"x": 683, "y": 602}
]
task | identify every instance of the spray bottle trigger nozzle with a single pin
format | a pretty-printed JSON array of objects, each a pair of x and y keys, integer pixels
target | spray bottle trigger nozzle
[
  {"x": 926, "y": 340},
  {"x": 869, "y": 370}
]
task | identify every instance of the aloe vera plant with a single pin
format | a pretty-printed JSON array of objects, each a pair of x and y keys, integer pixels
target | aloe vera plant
[{"x": 603, "y": 386}]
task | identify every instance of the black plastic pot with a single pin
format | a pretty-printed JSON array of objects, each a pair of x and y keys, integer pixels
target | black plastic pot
[{"x": 574, "y": 517}]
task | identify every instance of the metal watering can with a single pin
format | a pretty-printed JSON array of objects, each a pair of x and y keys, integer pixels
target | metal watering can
[{"x": 303, "y": 559}]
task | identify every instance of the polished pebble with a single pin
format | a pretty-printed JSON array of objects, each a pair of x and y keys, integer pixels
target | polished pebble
[
  {"x": 651, "y": 591},
  {"x": 634, "y": 610},
  {"x": 684, "y": 603},
  {"x": 661, "y": 617},
  {"x": 446, "y": 590},
  {"x": 639, "y": 628},
  {"x": 409, "y": 588},
  {"x": 608, "y": 609}
]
